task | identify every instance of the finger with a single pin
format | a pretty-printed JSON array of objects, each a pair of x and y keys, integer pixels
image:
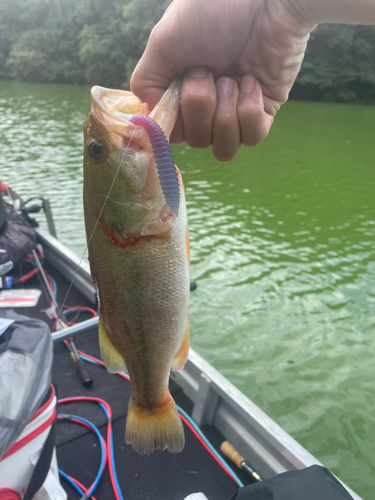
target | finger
[
  {"x": 226, "y": 131},
  {"x": 198, "y": 105},
  {"x": 255, "y": 123},
  {"x": 177, "y": 135}
]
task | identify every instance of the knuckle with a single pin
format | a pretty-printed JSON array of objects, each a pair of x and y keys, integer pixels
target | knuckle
[
  {"x": 254, "y": 138},
  {"x": 253, "y": 127},
  {"x": 198, "y": 141},
  {"x": 134, "y": 83},
  {"x": 225, "y": 155},
  {"x": 156, "y": 32},
  {"x": 199, "y": 98},
  {"x": 160, "y": 39},
  {"x": 226, "y": 121},
  {"x": 250, "y": 114}
]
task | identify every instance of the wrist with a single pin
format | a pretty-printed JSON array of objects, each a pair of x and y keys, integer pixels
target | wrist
[
  {"x": 310, "y": 13},
  {"x": 304, "y": 12}
]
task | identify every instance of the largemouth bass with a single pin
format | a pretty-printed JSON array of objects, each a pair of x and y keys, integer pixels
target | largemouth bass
[{"x": 138, "y": 244}]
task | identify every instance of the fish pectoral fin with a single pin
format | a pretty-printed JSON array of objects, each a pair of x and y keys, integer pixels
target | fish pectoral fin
[
  {"x": 149, "y": 429},
  {"x": 157, "y": 228},
  {"x": 179, "y": 361},
  {"x": 112, "y": 359}
]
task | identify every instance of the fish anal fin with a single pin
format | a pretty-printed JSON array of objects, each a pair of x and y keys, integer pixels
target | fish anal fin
[
  {"x": 112, "y": 359},
  {"x": 179, "y": 361},
  {"x": 152, "y": 429}
]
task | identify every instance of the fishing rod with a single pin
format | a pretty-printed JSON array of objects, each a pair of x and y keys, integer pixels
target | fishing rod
[{"x": 78, "y": 361}]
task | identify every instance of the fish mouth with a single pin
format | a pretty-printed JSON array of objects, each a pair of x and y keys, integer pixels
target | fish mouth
[{"x": 114, "y": 108}]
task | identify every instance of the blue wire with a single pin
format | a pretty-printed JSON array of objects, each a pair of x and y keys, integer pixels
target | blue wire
[
  {"x": 40, "y": 248},
  {"x": 72, "y": 309},
  {"x": 237, "y": 479},
  {"x": 239, "y": 482},
  {"x": 112, "y": 455},
  {"x": 54, "y": 286},
  {"x": 86, "y": 359},
  {"x": 114, "y": 469},
  {"x": 67, "y": 478},
  {"x": 99, "y": 436}
]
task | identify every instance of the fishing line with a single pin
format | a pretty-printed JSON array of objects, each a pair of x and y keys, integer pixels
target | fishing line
[{"x": 95, "y": 226}]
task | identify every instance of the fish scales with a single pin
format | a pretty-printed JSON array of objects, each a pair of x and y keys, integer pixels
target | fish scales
[
  {"x": 139, "y": 259},
  {"x": 150, "y": 302}
]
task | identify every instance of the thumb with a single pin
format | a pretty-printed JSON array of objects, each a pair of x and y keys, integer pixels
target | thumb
[{"x": 159, "y": 64}]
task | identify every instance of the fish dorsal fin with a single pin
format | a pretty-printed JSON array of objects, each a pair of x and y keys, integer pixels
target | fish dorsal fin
[{"x": 112, "y": 359}]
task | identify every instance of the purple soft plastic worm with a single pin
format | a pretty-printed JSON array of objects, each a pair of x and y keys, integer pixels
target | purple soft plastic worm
[{"x": 165, "y": 167}]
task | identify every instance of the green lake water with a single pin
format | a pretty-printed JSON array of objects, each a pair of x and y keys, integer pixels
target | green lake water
[{"x": 282, "y": 248}]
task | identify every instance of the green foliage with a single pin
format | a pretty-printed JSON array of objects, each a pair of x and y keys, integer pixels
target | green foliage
[
  {"x": 339, "y": 65},
  {"x": 100, "y": 42},
  {"x": 27, "y": 60},
  {"x": 139, "y": 17},
  {"x": 75, "y": 41},
  {"x": 101, "y": 49}
]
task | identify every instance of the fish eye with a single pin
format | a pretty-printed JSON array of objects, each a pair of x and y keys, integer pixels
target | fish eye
[{"x": 95, "y": 149}]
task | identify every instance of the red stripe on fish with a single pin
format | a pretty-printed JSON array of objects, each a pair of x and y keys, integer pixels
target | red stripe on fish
[{"x": 120, "y": 241}]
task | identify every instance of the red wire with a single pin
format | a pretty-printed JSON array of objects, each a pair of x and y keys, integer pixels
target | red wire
[
  {"x": 109, "y": 432},
  {"x": 85, "y": 490},
  {"x": 99, "y": 362},
  {"x": 188, "y": 424},
  {"x": 72, "y": 419},
  {"x": 29, "y": 275},
  {"x": 82, "y": 308},
  {"x": 50, "y": 285},
  {"x": 39, "y": 251}
]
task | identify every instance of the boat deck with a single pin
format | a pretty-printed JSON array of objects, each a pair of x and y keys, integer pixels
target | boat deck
[{"x": 159, "y": 476}]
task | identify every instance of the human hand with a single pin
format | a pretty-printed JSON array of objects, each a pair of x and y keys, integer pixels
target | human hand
[{"x": 240, "y": 59}]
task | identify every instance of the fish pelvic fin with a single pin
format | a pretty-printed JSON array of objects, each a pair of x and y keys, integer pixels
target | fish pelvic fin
[
  {"x": 154, "y": 429},
  {"x": 179, "y": 361},
  {"x": 112, "y": 359}
]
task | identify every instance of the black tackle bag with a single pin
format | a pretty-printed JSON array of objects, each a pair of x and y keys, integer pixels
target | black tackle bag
[
  {"x": 17, "y": 238},
  {"x": 312, "y": 483}
]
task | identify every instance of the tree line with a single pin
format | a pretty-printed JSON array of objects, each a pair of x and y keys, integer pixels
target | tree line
[{"x": 99, "y": 42}]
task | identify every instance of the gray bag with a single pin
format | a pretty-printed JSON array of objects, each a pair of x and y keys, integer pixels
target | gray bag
[{"x": 25, "y": 373}]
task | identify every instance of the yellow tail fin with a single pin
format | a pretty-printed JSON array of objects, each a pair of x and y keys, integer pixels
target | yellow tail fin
[{"x": 156, "y": 429}]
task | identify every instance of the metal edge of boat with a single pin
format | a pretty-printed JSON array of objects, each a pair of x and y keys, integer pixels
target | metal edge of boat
[
  {"x": 68, "y": 263},
  {"x": 268, "y": 448}
]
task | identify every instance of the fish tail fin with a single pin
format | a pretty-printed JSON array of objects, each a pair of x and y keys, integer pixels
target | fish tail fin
[{"x": 154, "y": 429}]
